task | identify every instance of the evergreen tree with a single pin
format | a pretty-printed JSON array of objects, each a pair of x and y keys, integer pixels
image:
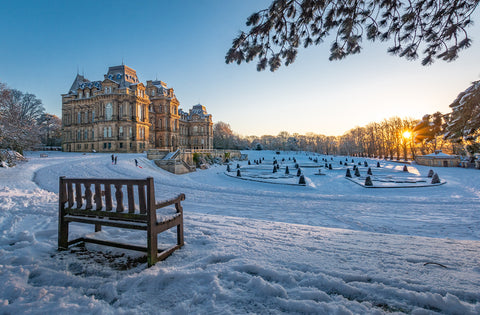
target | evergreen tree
[
  {"x": 463, "y": 124},
  {"x": 436, "y": 28}
]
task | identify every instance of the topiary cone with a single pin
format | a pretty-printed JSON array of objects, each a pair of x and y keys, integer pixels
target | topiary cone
[
  {"x": 301, "y": 180},
  {"x": 348, "y": 173},
  {"x": 357, "y": 172}
]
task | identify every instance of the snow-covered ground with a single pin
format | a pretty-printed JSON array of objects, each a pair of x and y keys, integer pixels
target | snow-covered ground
[{"x": 331, "y": 246}]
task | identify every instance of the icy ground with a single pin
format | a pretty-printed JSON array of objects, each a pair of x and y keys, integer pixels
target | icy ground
[{"x": 329, "y": 247}]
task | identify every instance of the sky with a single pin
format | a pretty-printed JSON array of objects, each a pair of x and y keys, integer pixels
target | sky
[{"x": 184, "y": 43}]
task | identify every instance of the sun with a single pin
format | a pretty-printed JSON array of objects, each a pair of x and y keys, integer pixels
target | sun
[{"x": 407, "y": 134}]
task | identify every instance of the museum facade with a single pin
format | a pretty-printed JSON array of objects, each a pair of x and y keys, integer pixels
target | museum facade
[{"x": 121, "y": 114}]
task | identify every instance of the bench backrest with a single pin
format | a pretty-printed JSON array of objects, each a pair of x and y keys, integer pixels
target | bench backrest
[{"x": 122, "y": 198}]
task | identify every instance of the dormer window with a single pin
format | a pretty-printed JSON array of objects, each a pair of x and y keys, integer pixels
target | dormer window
[
  {"x": 80, "y": 94},
  {"x": 87, "y": 94}
]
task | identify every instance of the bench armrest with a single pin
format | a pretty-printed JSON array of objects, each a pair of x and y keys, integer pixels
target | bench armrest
[{"x": 175, "y": 200}]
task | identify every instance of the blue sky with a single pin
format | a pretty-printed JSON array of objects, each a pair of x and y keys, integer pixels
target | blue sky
[{"x": 184, "y": 43}]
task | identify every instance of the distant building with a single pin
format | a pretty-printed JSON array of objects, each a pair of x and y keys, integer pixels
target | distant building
[
  {"x": 438, "y": 159},
  {"x": 121, "y": 114}
]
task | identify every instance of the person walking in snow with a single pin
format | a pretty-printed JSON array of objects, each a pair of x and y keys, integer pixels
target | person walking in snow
[
  {"x": 136, "y": 163},
  {"x": 116, "y": 159},
  {"x": 113, "y": 158}
]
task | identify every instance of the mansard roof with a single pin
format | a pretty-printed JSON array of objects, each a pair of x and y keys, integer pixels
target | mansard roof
[
  {"x": 123, "y": 75},
  {"x": 79, "y": 79}
]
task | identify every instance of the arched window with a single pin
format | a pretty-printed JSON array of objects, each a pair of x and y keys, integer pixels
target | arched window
[
  {"x": 109, "y": 131},
  {"x": 108, "y": 111}
]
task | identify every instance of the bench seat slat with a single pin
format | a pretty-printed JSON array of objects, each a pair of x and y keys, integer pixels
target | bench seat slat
[
  {"x": 117, "y": 215},
  {"x": 105, "y": 221}
]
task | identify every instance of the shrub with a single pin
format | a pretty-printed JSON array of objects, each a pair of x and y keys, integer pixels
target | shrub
[
  {"x": 357, "y": 172},
  {"x": 369, "y": 171},
  {"x": 368, "y": 181},
  {"x": 239, "y": 174},
  {"x": 435, "y": 179},
  {"x": 287, "y": 171},
  {"x": 430, "y": 174},
  {"x": 348, "y": 174},
  {"x": 301, "y": 180},
  {"x": 405, "y": 168}
]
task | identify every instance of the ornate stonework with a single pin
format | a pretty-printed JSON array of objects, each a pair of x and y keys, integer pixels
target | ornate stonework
[{"x": 121, "y": 114}]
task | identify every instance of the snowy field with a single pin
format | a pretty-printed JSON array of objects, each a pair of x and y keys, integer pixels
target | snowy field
[{"x": 330, "y": 247}]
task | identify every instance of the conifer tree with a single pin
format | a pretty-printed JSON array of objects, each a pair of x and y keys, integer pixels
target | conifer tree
[{"x": 433, "y": 28}]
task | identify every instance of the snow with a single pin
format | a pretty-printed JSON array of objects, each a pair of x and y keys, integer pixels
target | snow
[{"x": 328, "y": 247}]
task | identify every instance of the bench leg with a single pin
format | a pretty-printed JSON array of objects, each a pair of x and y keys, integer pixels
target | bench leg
[
  {"x": 180, "y": 234},
  {"x": 152, "y": 248},
  {"x": 62, "y": 234}
]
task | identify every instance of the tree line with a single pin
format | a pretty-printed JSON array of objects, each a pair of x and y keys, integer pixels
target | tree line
[
  {"x": 456, "y": 132},
  {"x": 24, "y": 124}
]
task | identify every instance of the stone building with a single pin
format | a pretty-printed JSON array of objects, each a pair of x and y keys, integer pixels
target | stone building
[{"x": 121, "y": 114}]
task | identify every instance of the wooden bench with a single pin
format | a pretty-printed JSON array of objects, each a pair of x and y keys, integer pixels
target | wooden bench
[{"x": 93, "y": 201}]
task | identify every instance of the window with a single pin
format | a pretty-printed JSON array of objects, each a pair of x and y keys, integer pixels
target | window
[
  {"x": 87, "y": 94},
  {"x": 104, "y": 132},
  {"x": 130, "y": 132},
  {"x": 153, "y": 92},
  {"x": 93, "y": 116},
  {"x": 79, "y": 118},
  {"x": 109, "y": 145},
  {"x": 104, "y": 145},
  {"x": 120, "y": 110},
  {"x": 85, "y": 135},
  {"x": 108, "y": 111},
  {"x": 80, "y": 94},
  {"x": 140, "y": 114},
  {"x": 93, "y": 134},
  {"x": 120, "y": 131},
  {"x": 121, "y": 145},
  {"x": 79, "y": 135},
  {"x": 109, "y": 131}
]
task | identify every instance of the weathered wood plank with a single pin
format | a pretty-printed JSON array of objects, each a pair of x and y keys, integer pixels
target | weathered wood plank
[
  {"x": 98, "y": 196},
  {"x": 88, "y": 197},
  {"x": 71, "y": 200},
  {"x": 141, "y": 199},
  {"x": 119, "y": 197},
  {"x": 108, "y": 197},
  {"x": 131, "y": 199},
  {"x": 78, "y": 195}
]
